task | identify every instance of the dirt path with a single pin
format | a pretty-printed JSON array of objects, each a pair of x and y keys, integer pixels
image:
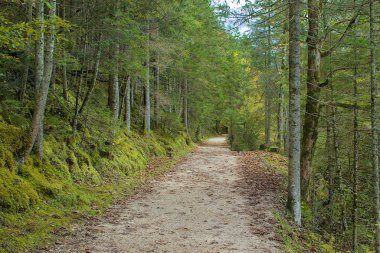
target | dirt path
[{"x": 203, "y": 205}]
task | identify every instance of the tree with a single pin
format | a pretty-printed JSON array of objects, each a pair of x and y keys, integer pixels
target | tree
[
  {"x": 374, "y": 126},
  {"x": 147, "y": 84},
  {"x": 294, "y": 190},
  {"x": 44, "y": 67}
]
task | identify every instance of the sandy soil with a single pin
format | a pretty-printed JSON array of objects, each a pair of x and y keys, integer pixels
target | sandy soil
[{"x": 203, "y": 205}]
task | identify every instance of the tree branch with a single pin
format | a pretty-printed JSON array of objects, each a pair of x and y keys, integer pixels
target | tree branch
[
  {"x": 349, "y": 106},
  {"x": 325, "y": 83},
  {"x": 344, "y": 35}
]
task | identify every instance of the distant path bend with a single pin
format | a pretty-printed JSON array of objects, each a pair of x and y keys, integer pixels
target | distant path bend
[{"x": 200, "y": 206}]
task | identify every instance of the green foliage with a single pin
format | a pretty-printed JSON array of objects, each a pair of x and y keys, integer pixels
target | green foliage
[{"x": 101, "y": 159}]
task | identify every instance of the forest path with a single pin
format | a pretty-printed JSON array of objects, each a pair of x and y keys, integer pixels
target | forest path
[{"x": 203, "y": 205}]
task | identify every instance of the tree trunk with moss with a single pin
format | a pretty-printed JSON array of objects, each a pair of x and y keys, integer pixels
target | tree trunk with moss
[{"x": 312, "y": 111}]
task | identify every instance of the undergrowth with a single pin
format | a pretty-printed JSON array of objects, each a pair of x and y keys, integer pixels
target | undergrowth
[{"x": 295, "y": 239}]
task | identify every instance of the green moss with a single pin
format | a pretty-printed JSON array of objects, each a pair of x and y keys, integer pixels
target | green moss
[
  {"x": 41, "y": 179},
  {"x": 16, "y": 194},
  {"x": 79, "y": 177},
  {"x": 11, "y": 136}
]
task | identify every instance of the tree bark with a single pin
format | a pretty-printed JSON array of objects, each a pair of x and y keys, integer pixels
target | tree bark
[
  {"x": 147, "y": 86},
  {"x": 374, "y": 126},
  {"x": 52, "y": 81},
  {"x": 268, "y": 98},
  {"x": 40, "y": 44},
  {"x": 65, "y": 92},
  {"x": 64, "y": 67},
  {"x": 286, "y": 131},
  {"x": 114, "y": 90},
  {"x": 338, "y": 169},
  {"x": 128, "y": 104},
  {"x": 133, "y": 89},
  {"x": 95, "y": 71},
  {"x": 311, "y": 118},
  {"x": 28, "y": 52},
  {"x": 356, "y": 160},
  {"x": 185, "y": 105},
  {"x": 267, "y": 120},
  {"x": 330, "y": 162},
  {"x": 280, "y": 117},
  {"x": 157, "y": 84},
  {"x": 294, "y": 187},
  {"x": 79, "y": 87},
  {"x": 46, "y": 65}
]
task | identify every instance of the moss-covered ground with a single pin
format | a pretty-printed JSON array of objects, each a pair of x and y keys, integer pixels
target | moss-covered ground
[{"x": 82, "y": 172}]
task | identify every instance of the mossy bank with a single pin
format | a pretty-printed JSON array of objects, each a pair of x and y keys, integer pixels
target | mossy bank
[{"x": 80, "y": 176}]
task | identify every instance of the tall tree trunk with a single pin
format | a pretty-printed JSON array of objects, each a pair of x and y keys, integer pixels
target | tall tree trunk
[
  {"x": 156, "y": 93},
  {"x": 147, "y": 86},
  {"x": 185, "y": 105},
  {"x": 356, "y": 159},
  {"x": 42, "y": 85},
  {"x": 294, "y": 187},
  {"x": 268, "y": 98},
  {"x": 281, "y": 125},
  {"x": 311, "y": 118},
  {"x": 95, "y": 72},
  {"x": 40, "y": 44},
  {"x": 79, "y": 87},
  {"x": 280, "y": 117},
  {"x": 133, "y": 89},
  {"x": 338, "y": 169},
  {"x": 157, "y": 83},
  {"x": 374, "y": 126},
  {"x": 286, "y": 131},
  {"x": 28, "y": 53},
  {"x": 65, "y": 92},
  {"x": 355, "y": 166},
  {"x": 330, "y": 162},
  {"x": 52, "y": 81},
  {"x": 114, "y": 90},
  {"x": 180, "y": 99},
  {"x": 267, "y": 120},
  {"x": 128, "y": 104},
  {"x": 64, "y": 67}
]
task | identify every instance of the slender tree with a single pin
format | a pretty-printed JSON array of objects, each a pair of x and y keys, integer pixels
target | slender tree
[
  {"x": 28, "y": 53},
  {"x": 128, "y": 106},
  {"x": 294, "y": 194},
  {"x": 44, "y": 63},
  {"x": 310, "y": 130},
  {"x": 147, "y": 84},
  {"x": 374, "y": 125}
]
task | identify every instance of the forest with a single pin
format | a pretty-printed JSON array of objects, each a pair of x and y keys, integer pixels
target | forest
[{"x": 94, "y": 93}]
